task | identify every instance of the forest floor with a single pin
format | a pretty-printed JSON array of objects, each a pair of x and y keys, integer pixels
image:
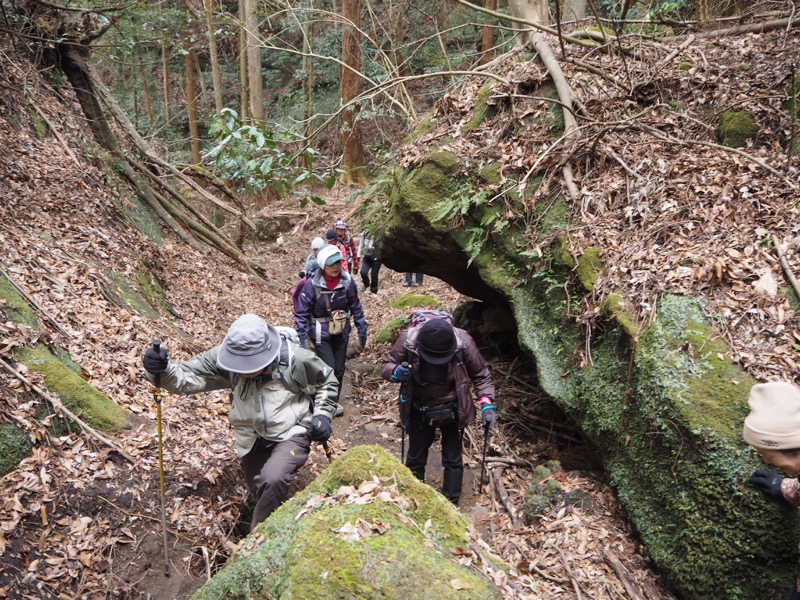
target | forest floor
[{"x": 80, "y": 520}]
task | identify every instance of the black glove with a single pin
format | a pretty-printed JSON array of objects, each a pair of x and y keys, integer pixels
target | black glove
[
  {"x": 401, "y": 373},
  {"x": 362, "y": 340},
  {"x": 767, "y": 482},
  {"x": 321, "y": 428},
  {"x": 301, "y": 274},
  {"x": 489, "y": 415},
  {"x": 156, "y": 361}
]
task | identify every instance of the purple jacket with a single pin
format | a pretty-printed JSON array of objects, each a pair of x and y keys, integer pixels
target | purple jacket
[
  {"x": 313, "y": 313},
  {"x": 467, "y": 365}
]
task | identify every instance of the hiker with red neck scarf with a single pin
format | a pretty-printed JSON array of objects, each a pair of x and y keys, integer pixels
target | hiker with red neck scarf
[{"x": 326, "y": 303}]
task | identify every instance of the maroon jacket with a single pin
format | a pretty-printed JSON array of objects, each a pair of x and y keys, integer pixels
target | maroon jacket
[{"x": 467, "y": 366}]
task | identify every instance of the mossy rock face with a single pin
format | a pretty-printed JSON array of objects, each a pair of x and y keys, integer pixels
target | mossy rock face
[
  {"x": 15, "y": 445},
  {"x": 482, "y": 109},
  {"x": 389, "y": 332},
  {"x": 398, "y": 541},
  {"x": 411, "y": 301},
  {"x": 15, "y": 307},
  {"x": 736, "y": 127},
  {"x": 96, "y": 409},
  {"x": 134, "y": 298}
]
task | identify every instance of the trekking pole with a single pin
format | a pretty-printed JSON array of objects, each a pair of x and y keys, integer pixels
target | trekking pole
[
  {"x": 484, "y": 475},
  {"x": 328, "y": 452},
  {"x": 402, "y": 400},
  {"x": 157, "y": 395}
]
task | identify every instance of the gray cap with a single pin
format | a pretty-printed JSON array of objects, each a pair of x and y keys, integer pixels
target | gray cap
[{"x": 250, "y": 345}]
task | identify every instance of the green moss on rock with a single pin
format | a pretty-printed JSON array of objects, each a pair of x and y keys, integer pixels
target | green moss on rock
[
  {"x": 126, "y": 295},
  {"x": 312, "y": 546},
  {"x": 390, "y": 331},
  {"x": 736, "y": 127},
  {"x": 15, "y": 306},
  {"x": 15, "y": 445},
  {"x": 482, "y": 110},
  {"x": 96, "y": 409},
  {"x": 406, "y": 301},
  {"x": 590, "y": 267}
]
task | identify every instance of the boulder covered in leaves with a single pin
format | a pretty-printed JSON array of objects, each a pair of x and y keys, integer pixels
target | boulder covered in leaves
[{"x": 365, "y": 528}]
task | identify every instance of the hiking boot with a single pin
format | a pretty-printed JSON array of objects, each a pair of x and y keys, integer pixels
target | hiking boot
[
  {"x": 416, "y": 284},
  {"x": 339, "y": 411},
  {"x": 406, "y": 284}
]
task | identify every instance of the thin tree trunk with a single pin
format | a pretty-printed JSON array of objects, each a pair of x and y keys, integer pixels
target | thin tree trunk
[
  {"x": 165, "y": 80},
  {"x": 191, "y": 106},
  {"x": 487, "y": 44},
  {"x": 148, "y": 106},
  {"x": 216, "y": 75},
  {"x": 201, "y": 80},
  {"x": 244, "y": 86},
  {"x": 308, "y": 67},
  {"x": 352, "y": 147},
  {"x": 254, "y": 75}
]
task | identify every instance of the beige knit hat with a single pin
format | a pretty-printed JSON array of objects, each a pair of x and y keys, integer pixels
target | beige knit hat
[{"x": 774, "y": 419}]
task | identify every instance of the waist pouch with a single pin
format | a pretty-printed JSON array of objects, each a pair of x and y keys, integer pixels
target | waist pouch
[
  {"x": 337, "y": 322},
  {"x": 439, "y": 415}
]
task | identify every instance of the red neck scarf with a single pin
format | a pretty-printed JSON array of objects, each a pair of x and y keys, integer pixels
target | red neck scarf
[{"x": 331, "y": 282}]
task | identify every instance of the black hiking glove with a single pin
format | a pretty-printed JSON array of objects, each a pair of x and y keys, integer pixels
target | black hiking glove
[
  {"x": 767, "y": 482},
  {"x": 321, "y": 429},
  {"x": 156, "y": 361},
  {"x": 401, "y": 373},
  {"x": 362, "y": 340}
]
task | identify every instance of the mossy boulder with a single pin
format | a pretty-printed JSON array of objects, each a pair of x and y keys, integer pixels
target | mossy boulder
[
  {"x": 366, "y": 528},
  {"x": 736, "y": 127},
  {"x": 662, "y": 404}
]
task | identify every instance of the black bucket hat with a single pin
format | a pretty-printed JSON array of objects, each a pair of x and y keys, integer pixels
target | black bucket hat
[{"x": 436, "y": 342}]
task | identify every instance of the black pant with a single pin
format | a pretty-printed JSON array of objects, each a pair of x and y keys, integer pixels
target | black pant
[
  {"x": 333, "y": 353},
  {"x": 369, "y": 268},
  {"x": 416, "y": 277},
  {"x": 420, "y": 439}
]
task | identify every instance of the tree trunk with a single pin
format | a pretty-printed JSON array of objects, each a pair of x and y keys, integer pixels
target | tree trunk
[
  {"x": 244, "y": 86},
  {"x": 487, "y": 44},
  {"x": 353, "y": 150},
  {"x": 191, "y": 93},
  {"x": 165, "y": 79},
  {"x": 308, "y": 67},
  {"x": 573, "y": 10},
  {"x": 254, "y": 75},
  {"x": 533, "y": 11},
  {"x": 216, "y": 75},
  {"x": 148, "y": 106}
]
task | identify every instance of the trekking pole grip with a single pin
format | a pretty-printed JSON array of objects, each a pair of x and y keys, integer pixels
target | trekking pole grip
[{"x": 157, "y": 376}]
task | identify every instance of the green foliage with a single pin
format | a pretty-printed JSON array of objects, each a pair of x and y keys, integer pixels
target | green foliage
[{"x": 256, "y": 158}]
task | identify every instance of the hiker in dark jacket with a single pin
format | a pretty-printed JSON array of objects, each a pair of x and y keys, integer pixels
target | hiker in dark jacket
[
  {"x": 370, "y": 263},
  {"x": 443, "y": 361},
  {"x": 283, "y": 398},
  {"x": 324, "y": 308},
  {"x": 773, "y": 428}
]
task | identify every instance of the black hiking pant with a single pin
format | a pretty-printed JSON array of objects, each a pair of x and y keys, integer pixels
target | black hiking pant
[
  {"x": 269, "y": 469},
  {"x": 369, "y": 272},
  {"x": 420, "y": 439},
  {"x": 333, "y": 353}
]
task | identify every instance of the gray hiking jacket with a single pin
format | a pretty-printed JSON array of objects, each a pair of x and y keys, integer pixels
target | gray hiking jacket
[{"x": 276, "y": 406}]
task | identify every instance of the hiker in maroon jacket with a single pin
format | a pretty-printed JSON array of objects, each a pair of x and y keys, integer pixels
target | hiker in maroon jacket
[{"x": 442, "y": 362}]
